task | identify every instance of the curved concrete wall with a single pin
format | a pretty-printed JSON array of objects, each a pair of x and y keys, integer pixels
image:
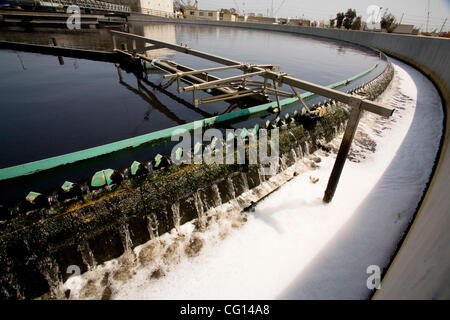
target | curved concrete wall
[{"x": 420, "y": 268}]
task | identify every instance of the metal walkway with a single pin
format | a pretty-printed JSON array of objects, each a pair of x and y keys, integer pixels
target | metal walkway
[
  {"x": 94, "y": 5},
  {"x": 83, "y": 4},
  {"x": 267, "y": 72}
]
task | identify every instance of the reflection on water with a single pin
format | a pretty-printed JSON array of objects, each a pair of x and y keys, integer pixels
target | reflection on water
[
  {"x": 56, "y": 109},
  {"x": 161, "y": 32},
  {"x": 52, "y": 106},
  {"x": 320, "y": 60},
  {"x": 99, "y": 39}
]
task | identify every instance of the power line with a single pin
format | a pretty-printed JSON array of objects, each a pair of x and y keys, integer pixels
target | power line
[{"x": 279, "y": 7}]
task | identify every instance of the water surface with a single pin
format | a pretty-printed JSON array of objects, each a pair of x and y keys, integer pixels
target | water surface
[{"x": 50, "y": 106}]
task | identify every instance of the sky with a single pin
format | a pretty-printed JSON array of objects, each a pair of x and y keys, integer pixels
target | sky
[{"x": 415, "y": 11}]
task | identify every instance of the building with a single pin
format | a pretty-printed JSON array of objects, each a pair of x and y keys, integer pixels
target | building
[
  {"x": 229, "y": 17},
  {"x": 404, "y": 29},
  {"x": 259, "y": 19},
  {"x": 202, "y": 15},
  {"x": 153, "y": 7},
  {"x": 299, "y": 22}
]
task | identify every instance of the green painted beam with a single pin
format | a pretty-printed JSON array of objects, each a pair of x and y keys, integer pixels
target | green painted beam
[{"x": 53, "y": 162}]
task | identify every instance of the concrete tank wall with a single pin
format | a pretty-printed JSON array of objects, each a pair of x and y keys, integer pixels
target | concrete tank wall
[{"x": 420, "y": 268}]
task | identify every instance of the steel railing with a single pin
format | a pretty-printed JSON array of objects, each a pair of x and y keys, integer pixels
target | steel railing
[{"x": 158, "y": 13}]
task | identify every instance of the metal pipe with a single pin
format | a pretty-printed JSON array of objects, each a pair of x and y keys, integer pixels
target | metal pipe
[
  {"x": 225, "y": 80},
  {"x": 178, "y": 48},
  {"x": 180, "y": 74},
  {"x": 146, "y": 48},
  {"x": 300, "y": 99},
  {"x": 333, "y": 94},
  {"x": 238, "y": 96}
]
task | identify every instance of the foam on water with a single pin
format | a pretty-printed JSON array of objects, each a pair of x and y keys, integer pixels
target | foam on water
[{"x": 293, "y": 245}]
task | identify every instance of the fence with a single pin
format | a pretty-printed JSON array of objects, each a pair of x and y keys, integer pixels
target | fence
[{"x": 158, "y": 13}]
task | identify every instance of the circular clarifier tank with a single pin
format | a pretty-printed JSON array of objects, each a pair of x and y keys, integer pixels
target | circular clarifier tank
[{"x": 54, "y": 106}]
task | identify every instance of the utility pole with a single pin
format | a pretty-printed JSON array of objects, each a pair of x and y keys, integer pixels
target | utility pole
[
  {"x": 237, "y": 6},
  {"x": 440, "y": 31},
  {"x": 401, "y": 19},
  {"x": 428, "y": 14}
]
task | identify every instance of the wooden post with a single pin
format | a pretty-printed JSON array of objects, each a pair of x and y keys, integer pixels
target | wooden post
[
  {"x": 265, "y": 86},
  {"x": 133, "y": 52},
  {"x": 114, "y": 42},
  {"x": 300, "y": 98},
  {"x": 244, "y": 80},
  {"x": 60, "y": 58},
  {"x": 352, "y": 125},
  {"x": 180, "y": 89},
  {"x": 195, "y": 96},
  {"x": 276, "y": 95},
  {"x": 119, "y": 72}
]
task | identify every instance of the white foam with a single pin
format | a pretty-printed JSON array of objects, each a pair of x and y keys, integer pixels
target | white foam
[{"x": 294, "y": 245}]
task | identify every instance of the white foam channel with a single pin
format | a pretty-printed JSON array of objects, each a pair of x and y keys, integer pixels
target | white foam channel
[{"x": 293, "y": 245}]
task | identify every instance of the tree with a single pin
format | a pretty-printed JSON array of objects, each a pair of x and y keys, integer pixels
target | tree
[
  {"x": 349, "y": 17},
  {"x": 232, "y": 10},
  {"x": 183, "y": 5},
  {"x": 388, "y": 22},
  {"x": 177, "y": 5},
  {"x": 332, "y": 22},
  {"x": 356, "y": 25},
  {"x": 339, "y": 19}
]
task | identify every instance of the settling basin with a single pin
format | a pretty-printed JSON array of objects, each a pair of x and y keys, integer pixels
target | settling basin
[{"x": 52, "y": 106}]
